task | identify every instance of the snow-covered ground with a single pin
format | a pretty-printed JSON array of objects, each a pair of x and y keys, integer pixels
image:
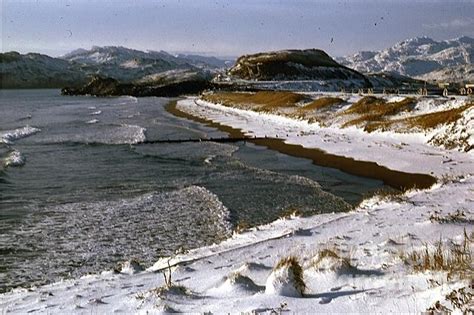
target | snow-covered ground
[{"x": 373, "y": 242}]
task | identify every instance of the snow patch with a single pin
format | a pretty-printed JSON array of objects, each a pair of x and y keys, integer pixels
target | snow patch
[{"x": 235, "y": 283}]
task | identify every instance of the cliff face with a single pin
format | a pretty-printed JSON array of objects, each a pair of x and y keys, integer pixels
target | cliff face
[{"x": 309, "y": 64}]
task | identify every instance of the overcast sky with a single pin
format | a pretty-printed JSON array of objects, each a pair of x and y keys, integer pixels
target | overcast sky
[{"x": 228, "y": 28}]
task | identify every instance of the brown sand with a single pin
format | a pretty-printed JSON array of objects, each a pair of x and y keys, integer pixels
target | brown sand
[{"x": 396, "y": 179}]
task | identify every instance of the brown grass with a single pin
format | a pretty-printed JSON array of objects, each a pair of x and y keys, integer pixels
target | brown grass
[
  {"x": 259, "y": 101},
  {"x": 242, "y": 226},
  {"x": 365, "y": 105},
  {"x": 322, "y": 103},
  {"x": 293, "y": 264},
  {"x": 374, "y": 114},
  {"x": 424, "y": 122},
  {"x": 455, "y": 260},
  {"x": 375, "y": 111},
  {"x": 431, "y": 120},
  {"x": 344, "y": 262}
]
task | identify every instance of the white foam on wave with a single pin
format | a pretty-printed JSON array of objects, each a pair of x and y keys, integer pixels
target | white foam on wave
[
  {"x": 133, "y": 133},
  {"x": 96, "y": 113},
  {"x": 87, "y": 237},
  {"x": 104, "y": 134},
  {"x": 14, "y": 158},
  {"x": 131, "y": 98},
  {"x": 9, "y": 136}
]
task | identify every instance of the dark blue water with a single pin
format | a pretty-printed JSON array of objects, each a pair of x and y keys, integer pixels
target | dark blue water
[{"x": 79, "y": 193}]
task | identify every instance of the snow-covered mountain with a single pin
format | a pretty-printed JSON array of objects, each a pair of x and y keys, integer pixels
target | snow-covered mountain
[
  {"x": 75, "y": 68},
  {"x": 420, "y": 57},
  {"x": 124, "y": 64}
]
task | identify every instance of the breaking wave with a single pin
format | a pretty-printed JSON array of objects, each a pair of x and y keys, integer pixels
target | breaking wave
[
  {"x": 9, "y": 136},
  {"x": 96, "y": 133},
  {"x": 14, "y": 158},
  {"x": 90, "y": 237}
]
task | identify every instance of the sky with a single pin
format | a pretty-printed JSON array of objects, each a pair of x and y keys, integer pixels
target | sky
[{"x": 228, "y": 28}]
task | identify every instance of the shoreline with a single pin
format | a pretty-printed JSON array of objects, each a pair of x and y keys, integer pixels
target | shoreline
[
  {"x": 396, "y": 179},
  {"x": 373, "y": 268}
]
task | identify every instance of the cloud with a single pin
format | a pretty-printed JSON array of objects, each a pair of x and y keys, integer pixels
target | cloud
[{"x": 455, "y": 24}]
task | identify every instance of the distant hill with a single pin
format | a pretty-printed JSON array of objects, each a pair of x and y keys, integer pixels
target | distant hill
[
  {"x": 36, "y": 70},
  {"x": 206, "y": 61},
  {"x": 420, "y": 57},
  {"x": 296, "y": 65},
  {"x": 77, "y": 67}
]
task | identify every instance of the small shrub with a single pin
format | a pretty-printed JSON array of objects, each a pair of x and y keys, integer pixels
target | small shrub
[
  {"x": 174, "y": 289},
  {"x": 461, "y": 298},
  {"x": 438, "y": 308},
  {"x": 242, "y": 226}
]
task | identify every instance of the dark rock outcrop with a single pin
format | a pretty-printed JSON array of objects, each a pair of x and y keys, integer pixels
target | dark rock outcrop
[{"x": 99, "y": 86}]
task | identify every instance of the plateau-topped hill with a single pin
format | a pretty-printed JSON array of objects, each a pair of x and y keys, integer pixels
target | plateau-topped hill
[{"x": 284, "y": 65}]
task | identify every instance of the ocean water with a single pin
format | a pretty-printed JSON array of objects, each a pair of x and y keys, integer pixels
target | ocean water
[{"x": 79, "y": 192}]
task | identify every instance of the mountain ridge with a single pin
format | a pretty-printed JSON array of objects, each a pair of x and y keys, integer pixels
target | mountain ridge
[
  {"x": 418, "y": 57},
  {"x": 74, "y": 69}
]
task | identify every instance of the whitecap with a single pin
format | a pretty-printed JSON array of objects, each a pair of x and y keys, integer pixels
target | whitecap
[
  {"x": 95, "y": 235},
  {"x": 100, "y": 133},
  {"x": 9, "y": 136},
  {"x": 96, "y": 113},
  {"x": 14, "y": 158},
  {"x": 209, "y": 159},
  {"x": 133, "y": 134}
]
